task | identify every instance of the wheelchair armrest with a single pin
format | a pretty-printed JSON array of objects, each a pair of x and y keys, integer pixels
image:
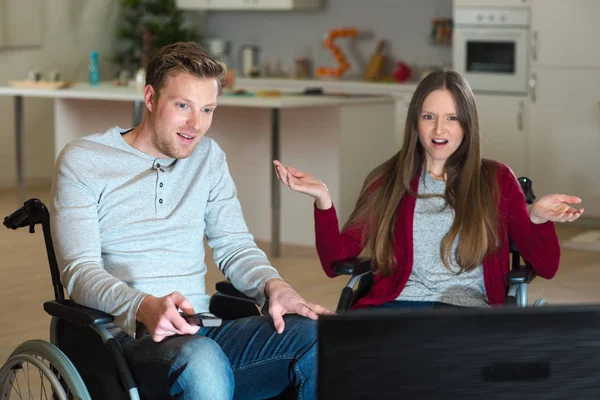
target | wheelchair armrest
[
  {"x": 352, "y": 266},
  {"x": 227, "y": 288},
  {"x": 72, "y": 312},
  {"x": 228, "y": 303},
  {"x": 521, "y": 275}
]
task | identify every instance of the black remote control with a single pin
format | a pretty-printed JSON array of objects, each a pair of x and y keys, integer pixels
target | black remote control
[{"x": 202, "y": 319}]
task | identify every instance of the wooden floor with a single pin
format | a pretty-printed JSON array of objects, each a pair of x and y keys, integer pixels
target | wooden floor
[{"x": 25, "y": 279}]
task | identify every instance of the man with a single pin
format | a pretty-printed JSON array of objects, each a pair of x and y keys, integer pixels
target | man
[{"x": 130, "y": 211}]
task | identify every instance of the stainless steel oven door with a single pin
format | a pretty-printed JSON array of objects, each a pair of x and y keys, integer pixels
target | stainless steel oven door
[{"x": 492, "y": 60}]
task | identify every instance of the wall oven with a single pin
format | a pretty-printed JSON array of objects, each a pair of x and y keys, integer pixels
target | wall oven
[{"x": 490, "y": 48}]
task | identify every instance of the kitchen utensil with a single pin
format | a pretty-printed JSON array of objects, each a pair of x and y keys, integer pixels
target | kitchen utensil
[
  {"x": 34, "y": 75},
  {"x": 373, "y": 71},
  {"x": 217, "y": 47},
  {"x": 303, "y": 67},
  {"x": 54, "y": 76},
  {"x": 248, "y": 56}
]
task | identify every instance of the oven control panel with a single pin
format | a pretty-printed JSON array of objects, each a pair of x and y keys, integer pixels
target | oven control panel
[{"x": 491, "y": 16}]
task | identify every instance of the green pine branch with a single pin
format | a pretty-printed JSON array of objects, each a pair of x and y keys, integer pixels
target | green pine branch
[{"x": 161, "y": 18}]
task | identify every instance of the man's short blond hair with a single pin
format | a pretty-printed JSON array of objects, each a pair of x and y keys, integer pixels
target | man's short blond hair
[{"x": 188, "y": 57}]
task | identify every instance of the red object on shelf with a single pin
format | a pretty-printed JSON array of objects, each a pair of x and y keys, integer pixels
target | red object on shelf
[{"x": 402, "y": 72}]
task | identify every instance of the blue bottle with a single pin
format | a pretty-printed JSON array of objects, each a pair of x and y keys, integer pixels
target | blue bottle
[{"x": 94, "y": 70}]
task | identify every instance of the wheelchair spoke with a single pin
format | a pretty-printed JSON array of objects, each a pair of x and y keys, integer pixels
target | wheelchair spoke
[
  {"x": 29, "y": 383},
  {"x": 25, "y": 383},
  {"x": 42, "y": 386},
  {"x": 18, "y": 388},
  {"x": 55, "y": 379},
  {"x": 55, "y": 371}
]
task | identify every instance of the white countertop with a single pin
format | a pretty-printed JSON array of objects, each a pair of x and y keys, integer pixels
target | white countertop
[
  {"x": 329, "y": 85},
  {"x": 108, "y": 91}
]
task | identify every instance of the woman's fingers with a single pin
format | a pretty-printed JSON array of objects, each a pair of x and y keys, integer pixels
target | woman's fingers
[
  {"x": 295, "y": 172},
  {"x": 294, "y": 183},
  {"x": 575, "y": 215},
  {"x": 277, "y": 172},
  {"x": 286, "y": 176},
  {"x": 566, "y": 213}
]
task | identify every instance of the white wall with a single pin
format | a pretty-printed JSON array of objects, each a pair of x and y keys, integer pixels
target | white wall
[
  {"x": 71, "y": 29},
  {"x": 404, "y": 24}
]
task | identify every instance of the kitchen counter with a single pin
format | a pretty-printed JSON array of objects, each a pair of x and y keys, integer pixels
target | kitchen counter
[
  {"x": 108, "y": 91},
  {"x": 328, "y": 85},
  {"x": 402, "y": 93}
]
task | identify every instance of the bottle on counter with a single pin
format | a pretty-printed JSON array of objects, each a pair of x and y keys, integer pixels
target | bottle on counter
[
  {"x": 140, "y": 79},
  {"x": 94, "y": 69}
]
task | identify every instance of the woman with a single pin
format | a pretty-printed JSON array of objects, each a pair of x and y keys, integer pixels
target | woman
[{"x": 436, "y": 217}]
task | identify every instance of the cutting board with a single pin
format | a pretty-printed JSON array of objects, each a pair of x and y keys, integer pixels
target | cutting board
[{"x": 41, "y": 84}]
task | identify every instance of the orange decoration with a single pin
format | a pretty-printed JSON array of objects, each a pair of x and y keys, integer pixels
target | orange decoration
[{"x": 337, "y": 53}]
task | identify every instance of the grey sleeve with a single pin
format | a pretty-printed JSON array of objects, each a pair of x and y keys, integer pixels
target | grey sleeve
[
  {"x": 75, "y": 231},
  {"x": 234, "y": 249}
]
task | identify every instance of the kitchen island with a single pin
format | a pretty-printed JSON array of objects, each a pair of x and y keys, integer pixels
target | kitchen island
[{"x": 336, "y": 138}]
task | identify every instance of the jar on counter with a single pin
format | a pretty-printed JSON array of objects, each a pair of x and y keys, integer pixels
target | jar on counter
[{"x": 303, "y": 67}]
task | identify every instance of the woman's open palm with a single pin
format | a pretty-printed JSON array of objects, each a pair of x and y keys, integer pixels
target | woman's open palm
[
  {"x": 301, "y": 182},
  {"x": 556, "y": 208}
]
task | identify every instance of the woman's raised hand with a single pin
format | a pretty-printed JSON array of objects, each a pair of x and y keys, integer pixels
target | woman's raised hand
[
  {"x": 304, "y": 183},
  {"x": 556, "y": 208}
]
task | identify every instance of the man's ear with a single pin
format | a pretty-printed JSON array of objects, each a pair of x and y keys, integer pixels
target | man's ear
[{"x": 150, "y": 97}]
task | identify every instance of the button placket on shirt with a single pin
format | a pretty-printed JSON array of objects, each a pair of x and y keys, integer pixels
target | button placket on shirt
[{"x": 159, "y": 171}]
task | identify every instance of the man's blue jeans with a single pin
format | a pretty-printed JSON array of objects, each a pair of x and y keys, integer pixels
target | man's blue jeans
[{"x": 242, "y": 359}]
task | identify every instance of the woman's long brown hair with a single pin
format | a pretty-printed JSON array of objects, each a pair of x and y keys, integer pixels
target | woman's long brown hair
[{"x": 471, "y": 187}]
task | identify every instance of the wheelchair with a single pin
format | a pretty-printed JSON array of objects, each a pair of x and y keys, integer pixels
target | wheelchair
[
  {"x": 519, "y": 277},
  {"x": 83, "y": 360}
]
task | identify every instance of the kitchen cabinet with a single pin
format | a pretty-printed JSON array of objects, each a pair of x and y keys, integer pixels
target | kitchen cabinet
[
  {"x": 258, "y": 5},
  {"x": 563, "y": 124},
  {"x": 565, "y": 33},
  {"x": 492, "y": 3},
  {"x": 402, "y": 101},
  {"x": 502, "y": 128}
]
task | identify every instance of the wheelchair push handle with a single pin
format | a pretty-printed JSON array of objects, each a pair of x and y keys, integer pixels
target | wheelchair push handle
[
  {"x": 17, "y": 219},
  {"x": 526, "y": 186},
  {"x": 32, "y": 213}
]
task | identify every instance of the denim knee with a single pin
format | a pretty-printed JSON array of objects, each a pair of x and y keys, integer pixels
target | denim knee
[
  {"x": 200, "y": 370},
  {"x": 303, "y": 332}
]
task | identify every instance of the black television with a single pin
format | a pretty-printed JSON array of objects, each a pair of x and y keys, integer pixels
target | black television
[{"x": 534, "y": 353}]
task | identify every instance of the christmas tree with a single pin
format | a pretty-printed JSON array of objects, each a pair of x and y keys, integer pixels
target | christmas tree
[{"x": 144, "y": 27}]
